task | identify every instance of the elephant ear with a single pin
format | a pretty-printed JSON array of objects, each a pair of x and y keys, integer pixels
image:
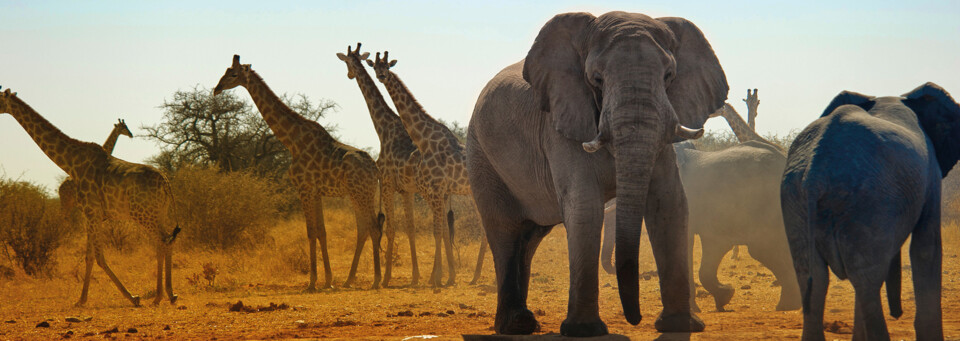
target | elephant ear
[
  {"x": 554, "y": 68},
  {"x": 849, "y": 97},
  {"x": 939, "y": 117},
  {"x": 699, "y": 87}
]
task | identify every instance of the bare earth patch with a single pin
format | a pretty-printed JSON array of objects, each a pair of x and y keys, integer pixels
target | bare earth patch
[{"x": 260, "y": 281}]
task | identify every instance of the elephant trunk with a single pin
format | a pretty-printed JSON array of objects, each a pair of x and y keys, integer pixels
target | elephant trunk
[{"x": 635, "y": 160}]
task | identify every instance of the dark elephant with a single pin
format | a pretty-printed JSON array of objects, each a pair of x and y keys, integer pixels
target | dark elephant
[
  {"x": 621, "y": 86},
  {"x": 859, "y": 180}
]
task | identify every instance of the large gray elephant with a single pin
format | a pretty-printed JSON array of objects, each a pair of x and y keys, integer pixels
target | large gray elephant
[
  {"x": 860, "y": 180},
  {"x": 630, "y": 85},
  {"x": 734, "y": 199}
]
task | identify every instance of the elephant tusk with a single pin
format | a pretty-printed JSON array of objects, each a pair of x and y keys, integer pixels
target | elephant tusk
[
  {"x": 594, "y": 145},
  {"x": 687, "y": 133}
]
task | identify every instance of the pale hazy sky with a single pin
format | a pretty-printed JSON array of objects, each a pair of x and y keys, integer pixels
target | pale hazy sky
[{"x": 82, "y": 66}]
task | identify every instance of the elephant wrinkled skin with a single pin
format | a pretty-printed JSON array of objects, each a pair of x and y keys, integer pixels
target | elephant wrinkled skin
[
  {"x": 591, "y": 111},
  {"x": 860, "y": 180}
]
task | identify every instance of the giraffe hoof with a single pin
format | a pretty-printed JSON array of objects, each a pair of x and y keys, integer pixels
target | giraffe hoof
[
  {"x": 136, "y": 300},
  {"x": 156, "y": 301},
  {"x": 173, "y": 298},
  {"x": 80, "y": 304},
  {"x": 311, "y": 290}
]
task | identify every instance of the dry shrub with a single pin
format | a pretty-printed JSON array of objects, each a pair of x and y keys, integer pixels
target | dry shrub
[
  {"x": 31, "y": 227},
  {"x": 222, "y": 210}
]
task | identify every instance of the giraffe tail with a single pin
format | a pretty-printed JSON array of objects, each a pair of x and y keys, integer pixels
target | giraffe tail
[
  {"x": 173, "y": 236},
  {"x": 381, "y": 218}
]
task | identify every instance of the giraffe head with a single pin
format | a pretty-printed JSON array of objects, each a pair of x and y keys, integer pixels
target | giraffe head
[
  {"x": 121, "y": 126},
  {"x": 354, "y": 60},
  {"x": 752, "y": 101},
  {"x": 6, "y": 101},
  {"x": 382, "y": 66},
  {"x": 235, "y": 75}
]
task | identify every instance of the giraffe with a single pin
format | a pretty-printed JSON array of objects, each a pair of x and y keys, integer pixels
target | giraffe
[
  {"x": 740, "y": 128},
  {"x": 397, "y": 162},
  {"x": 321, "y": 167},
  {"x": 107, "y": 189},
  {"x": 752, "y": 104},
  {"x": 68, "y": 189},
  {"x": 442, "y": 171}
]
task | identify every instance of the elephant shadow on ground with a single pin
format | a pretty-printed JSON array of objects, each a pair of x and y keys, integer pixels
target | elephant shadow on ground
[
  {"x": 673, "y": 337},
  {"x": 553, "y": 337}
]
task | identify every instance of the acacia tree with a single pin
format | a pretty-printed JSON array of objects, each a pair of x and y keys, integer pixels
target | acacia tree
[{"x": 226, "y": 131}]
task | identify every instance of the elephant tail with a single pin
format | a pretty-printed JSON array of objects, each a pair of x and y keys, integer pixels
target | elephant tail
[{"x": 893, "y": 287}]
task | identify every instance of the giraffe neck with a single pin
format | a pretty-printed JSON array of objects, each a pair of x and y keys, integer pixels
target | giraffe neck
[
  {"x": 385, "y": 121},
  {"x": 287, "y": 125},
  {"x": 752, "y": 117},
  {"x": 740, "y": 128},
  {"x": 416, "y": 121},
  {"x": 111, "y": 140},
  {"x": 66, "y": 152}
]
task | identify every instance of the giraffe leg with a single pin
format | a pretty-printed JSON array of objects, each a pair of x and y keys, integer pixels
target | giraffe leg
[
  {"x": 321, "y": 235},
  {"x": 411, "y": 230},
  {"x": 102, "y": 262},
  {"x": 160, "y": 260},
  {"x": 88, "y": 270},
  {"x": 483, "y": 249},
  {"x": 448, "y": 241},
  {"x": 168, "y": 264},
  {"x": 310, "y": 215},
  {"x": 436, "y": 206},
  {"x": 390, "y": 227},
  {"x": 362, "y": 234}
]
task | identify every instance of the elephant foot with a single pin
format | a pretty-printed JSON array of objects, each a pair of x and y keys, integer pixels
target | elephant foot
[
  {"x": 722, "y": 296},
  {"x": 517, "y": 322},
  {"x": 587, "y": 329},
  {"x": 135, "y": 300},
  {"x": 679, "y": 322},
  {"x": 787, "y": 304},
  {"x": 173, "y": 298}
]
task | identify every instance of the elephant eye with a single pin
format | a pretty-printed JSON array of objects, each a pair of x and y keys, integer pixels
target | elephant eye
[{"x": 597, "y": 80}]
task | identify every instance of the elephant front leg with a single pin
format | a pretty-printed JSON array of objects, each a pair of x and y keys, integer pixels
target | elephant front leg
[
  {"x": 666, "y": 221},
  {"x": 583, "y": 222}
]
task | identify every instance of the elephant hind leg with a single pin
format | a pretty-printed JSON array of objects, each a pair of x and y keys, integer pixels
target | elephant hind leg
[
  {"x": 776, "y": 257},
  {"x": 813, "y": 284},
  {"x": 709, "y": 263},
  {"x": 513, "y": 252},
  {"x": 868, "y": 322},
  {"x": 926, "y": 252}
]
